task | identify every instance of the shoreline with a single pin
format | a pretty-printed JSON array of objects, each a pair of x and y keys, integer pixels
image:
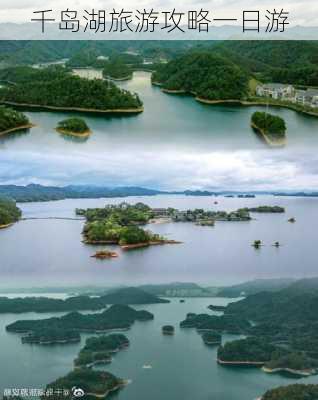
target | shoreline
[
  {"x": 268, "y": 140},
  {"x": 83, "y": 135},
  {"x": 78, "y": 109},
  {"x": 147, "y": 244},
  {"x": 17, "y": 128},
  {"x": 303, "y": 373},
  {"x": 4, "y": 226},
  {"x": 242, "y": 363}
]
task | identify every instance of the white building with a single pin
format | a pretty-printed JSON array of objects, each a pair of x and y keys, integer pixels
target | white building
[{"x": 275, "y": 91}]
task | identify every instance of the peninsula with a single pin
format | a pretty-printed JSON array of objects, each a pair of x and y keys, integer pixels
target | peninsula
[{"x": 12, "y": 120}]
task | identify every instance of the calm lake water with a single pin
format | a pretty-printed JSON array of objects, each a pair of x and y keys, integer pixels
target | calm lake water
[
  {"x": 182, "y": 366},
  {"x": 50, "y": 252}
]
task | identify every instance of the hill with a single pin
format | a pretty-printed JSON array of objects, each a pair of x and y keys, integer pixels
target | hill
[
  {"x": 9, "y": 212},
  {"x": 207, "y": 75},
  {"x": 131, "y": 296}
]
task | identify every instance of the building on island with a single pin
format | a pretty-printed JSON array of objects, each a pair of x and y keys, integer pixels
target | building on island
[{"x": 278, "y": 91}]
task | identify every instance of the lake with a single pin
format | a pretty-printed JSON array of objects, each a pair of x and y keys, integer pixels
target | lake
[
  {"x": 51, "y": 252},
  {"x": 182, "y": 366},
  {"x": 183, "y": 143}
]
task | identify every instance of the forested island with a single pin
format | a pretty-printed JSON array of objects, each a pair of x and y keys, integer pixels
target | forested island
[
  {"x": 271, "y": 127},
  {"x": 292, "y": 392},
  {"x": 12, "y": 120},
  {"x": 283, "y": 335},
  {"x": 116, "y": 69},
  {"x": 55, "y": 88},
  {"x": 74, "y": 127},
  {"x": 119, "y": 317},
  {"x": 208, "y": 76},
  {"x": 211, "y": 338},
  {"x": 9, "y": 213},
  {"x": 99, "y": 349},
  {"x": 88, "y": 382}
]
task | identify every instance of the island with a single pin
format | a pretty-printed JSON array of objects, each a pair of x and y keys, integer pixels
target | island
[
  {"x": 104, "y": 254},
  {"x": 12, "y": 120},
  {"x": 84, "y": 382},
  {"x": 118, "y": 317},
  {"x": 221, "y": 324},
  {"x": 267, "y": 209},
  {"x": 117, "y": 70},
  {"x": 9, "y": 213},
  {"x": 282, "y": 334},
  {"x": 45, "y": 304},
  {"x": 74, "y": 127},
  {"x": 292, "y": 392},
  {"x": 131, "y": 296},
  {"x": 211, "y": 338},
  {"x": 271, "y": 127},
  {"x": 99, "y": 349},
  {"x": 168, "y": 330},
  {"x": 55, "y": 88},
  {"x": 120, "y": 225}
]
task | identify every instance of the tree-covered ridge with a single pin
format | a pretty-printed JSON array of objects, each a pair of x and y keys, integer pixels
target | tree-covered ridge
[
  {"x": 45, "y": 304},
  {"x": 92, "y": 383},
  {"x": 292, "y": 392},
  {"x": 114, "y": 317},
  {"x": 293, "y": 62},
  {"x": 9, "y": 212},
  {"x": 209, "y": 76},
  {"x": 131, "y": 296},
  {"x": 98, "y": 349},
  {"x": 269, "y": 124},
  {"x": 11, "y": 119},
  {"x": 58, "y": 88},
  {"x": 73, "y": 125},
  {"x": 117, "y": 70}
]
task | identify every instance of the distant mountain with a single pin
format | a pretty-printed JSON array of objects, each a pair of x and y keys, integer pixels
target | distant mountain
[
  {"x": 131, "y": 295},
  {"x": 34, "y": 192},
  {"x": 255, "y": 286},
  {"x": 179, "y": 289}
]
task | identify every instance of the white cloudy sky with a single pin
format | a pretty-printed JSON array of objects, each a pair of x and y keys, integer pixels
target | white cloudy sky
[
  {"x": 172, "y": 170},
  {"x": 302, "y": 12}
]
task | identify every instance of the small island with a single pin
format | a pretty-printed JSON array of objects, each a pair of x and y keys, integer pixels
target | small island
[
  {"x": 267, "y": 209},
  {"x": 211, "y": 338},
  {"x": 98, "y": 350},
  {"x": 9, "y": 213},
  {"x": 104, "y": 255},
  {"x": 74, "y": 127},
  {"x": 86, "y": 382},
  {"x": 168, "y": 330},
  {"x": 271, "y": 127},
  {"x": 221, "y": 324},
  {"x": 12, "y": 120}
]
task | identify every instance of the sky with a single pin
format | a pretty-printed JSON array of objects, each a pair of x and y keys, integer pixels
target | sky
[{"x": 172, "y": 170}]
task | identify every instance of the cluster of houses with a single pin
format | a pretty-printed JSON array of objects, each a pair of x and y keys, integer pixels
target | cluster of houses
[{"x": 279, "y": 91}]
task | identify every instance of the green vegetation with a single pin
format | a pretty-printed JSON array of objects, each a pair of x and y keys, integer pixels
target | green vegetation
[
  {"x": 73, "y": 126},
  {"x": 115, "y": 317},
  {"x": 11, "y": 120},
  {"x": 9, "y": 212},
  {"x": 95, "y": 384},
  {"x": 269, "y": 124},
  {"x": 98, "y": 349},
  {"x": 292, "y": 392},
  {"x": 295, "y": 361},
  {"x": 247, "y": 350},
  {"x": 44, "y": 304},
  {"x": 52, "y": 336},
  {"x": 204, "y": 74},
  {"x": 226, "y": 323},
  {"x": 118, "y": 224},
  {"x": 117, "y": 69},
  {"x": 216, "y": 308},
  {"x": 168, "y": 329},
  {"x": 131, "y": 296},
  {"x": 211, "y": 338},
  {"x": 56, "y": 87},
  {"x": 267, "y": 209}
]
